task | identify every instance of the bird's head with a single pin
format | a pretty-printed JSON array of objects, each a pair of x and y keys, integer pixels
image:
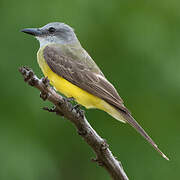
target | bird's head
[{"x": 54, "y": 32}]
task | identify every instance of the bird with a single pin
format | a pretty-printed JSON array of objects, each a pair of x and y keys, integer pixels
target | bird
[{"x": 72, "y": 72}]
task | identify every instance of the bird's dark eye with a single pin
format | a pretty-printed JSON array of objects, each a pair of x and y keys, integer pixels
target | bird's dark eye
[{"x": 51, "y": 30}]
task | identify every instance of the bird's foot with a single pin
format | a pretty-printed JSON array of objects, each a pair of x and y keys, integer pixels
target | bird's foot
[
  {"x": 76, "y": 107},
  {"x": 78, "y": 110},
  {"x": 45, "y": 81},
  {"x": 69, "y": 99},
  {"x": 44, "y": 95}
]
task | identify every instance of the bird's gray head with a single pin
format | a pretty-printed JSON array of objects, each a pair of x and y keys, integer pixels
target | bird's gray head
[{"x": 55, "y": 32}]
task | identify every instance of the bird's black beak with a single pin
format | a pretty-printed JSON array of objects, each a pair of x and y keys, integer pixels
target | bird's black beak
[{"x": 32, "y": 31}]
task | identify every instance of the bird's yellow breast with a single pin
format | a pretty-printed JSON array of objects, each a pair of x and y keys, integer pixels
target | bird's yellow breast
[
  {"x": 70, "y": 90},
  {"x": 65, "y": 87}
]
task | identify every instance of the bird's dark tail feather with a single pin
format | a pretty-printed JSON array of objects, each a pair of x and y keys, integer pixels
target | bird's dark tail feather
[{"x": 139, "y": 129}]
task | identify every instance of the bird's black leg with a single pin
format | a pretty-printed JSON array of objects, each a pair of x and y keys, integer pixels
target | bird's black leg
[
  {"x": 78, "y": 110},
  {"x": 76, "y": 107},
  {"x": 69, "y": 99}
]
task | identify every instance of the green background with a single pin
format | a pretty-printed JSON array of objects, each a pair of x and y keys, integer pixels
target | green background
[{"x": 137, "y": 46}]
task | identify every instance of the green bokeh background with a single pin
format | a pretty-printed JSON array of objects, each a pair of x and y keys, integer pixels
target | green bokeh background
[{"x": 137, "y": 46}]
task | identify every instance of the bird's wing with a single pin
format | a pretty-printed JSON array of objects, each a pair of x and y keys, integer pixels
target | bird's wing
[{"x": 82, "y": 74}]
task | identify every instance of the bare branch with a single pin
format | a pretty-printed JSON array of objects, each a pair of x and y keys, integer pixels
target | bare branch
[{"x": 63, "y": 107}]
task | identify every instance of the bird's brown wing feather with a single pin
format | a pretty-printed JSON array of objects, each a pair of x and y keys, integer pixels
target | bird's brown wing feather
[{"x": 81, "y": 75}]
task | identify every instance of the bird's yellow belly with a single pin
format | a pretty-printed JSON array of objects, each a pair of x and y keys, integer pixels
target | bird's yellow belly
[{"x": 70, "y": 90}]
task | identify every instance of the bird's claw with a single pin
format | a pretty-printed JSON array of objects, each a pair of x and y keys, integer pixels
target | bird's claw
[
  {"x": 76, "y": 107},
  {"x": 45, "y": 81},
  {"x": 68, "y": 99},
  {"x": 79, "y": 111}
]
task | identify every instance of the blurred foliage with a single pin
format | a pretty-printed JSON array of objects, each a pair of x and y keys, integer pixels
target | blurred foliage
[{"x": 137, "y": 46}]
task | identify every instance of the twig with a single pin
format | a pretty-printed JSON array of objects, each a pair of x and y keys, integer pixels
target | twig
[{"x": 63, "y": 107}]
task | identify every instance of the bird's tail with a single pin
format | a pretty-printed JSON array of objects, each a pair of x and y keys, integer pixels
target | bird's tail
[{"x": 128, "y": 118}]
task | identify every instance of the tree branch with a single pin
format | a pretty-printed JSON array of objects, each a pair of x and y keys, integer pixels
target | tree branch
[{"x": 63, "y": 107}]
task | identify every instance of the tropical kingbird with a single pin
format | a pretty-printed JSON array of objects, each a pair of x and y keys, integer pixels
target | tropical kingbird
[{"x": 73, "y": 72}]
